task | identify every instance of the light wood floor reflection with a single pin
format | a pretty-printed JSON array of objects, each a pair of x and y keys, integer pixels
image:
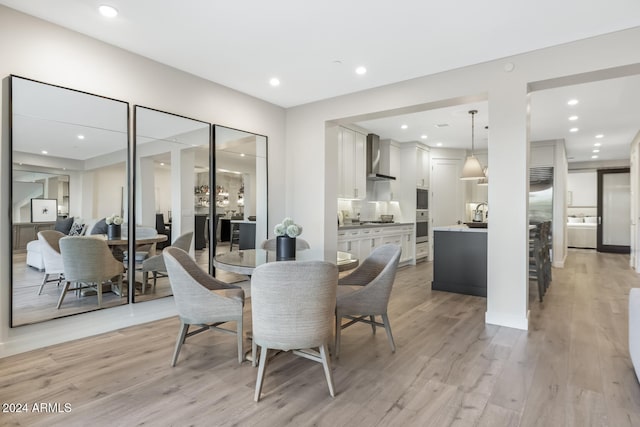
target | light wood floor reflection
[
  {"x": 571, "y": 368},
  {"x": 29, "y": 307}
]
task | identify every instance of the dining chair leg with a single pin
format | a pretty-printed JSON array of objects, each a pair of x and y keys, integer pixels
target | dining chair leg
[
  {"x": 326, "y": 364},
  {"x": 373, "y": 324},
  {"x": 182, "y": 335},
  {"x": 254, "y": 353},
  {"x": 44, "y": 280},
  {"x": 387, "y": 327},
  {"x": 239, "y": 333},
  {"x": 64, "y": 292},
  {"x": 155, "y": 279},
  {"x": 336, "y": 349},
  {"x": 145, "y": 280},
  {"x": 99, "y": 291},
  {"x": 261, "y": 369}
]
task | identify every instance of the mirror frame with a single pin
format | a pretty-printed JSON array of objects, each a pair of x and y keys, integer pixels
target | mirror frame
[
  {"x": 10, "y": 110},
  {"x": 134, "y": 170},
  {"x": 212, "y": 237}
]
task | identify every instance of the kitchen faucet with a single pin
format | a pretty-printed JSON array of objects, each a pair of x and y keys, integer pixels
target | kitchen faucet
[{"x": 477, "y": 213}]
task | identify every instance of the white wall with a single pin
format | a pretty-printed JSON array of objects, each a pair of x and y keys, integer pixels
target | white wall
[
  {"x": 42, "y": 51},
  {"x": 582, "y": 187},
  {"x": 312, "y": 157}
]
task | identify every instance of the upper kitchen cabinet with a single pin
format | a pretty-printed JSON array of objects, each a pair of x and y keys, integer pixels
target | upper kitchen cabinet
[
  {"x": 422, "y": 166},
  {"x": 352, "y": 181}
]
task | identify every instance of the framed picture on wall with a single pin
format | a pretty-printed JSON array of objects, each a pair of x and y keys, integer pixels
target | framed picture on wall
[{"x": 44, "y": 210}]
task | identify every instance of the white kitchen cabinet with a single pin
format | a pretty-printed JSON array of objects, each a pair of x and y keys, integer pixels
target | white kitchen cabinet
[
  {"x": 395, "y": 167},
  {"x": 422, "y": 167},
  {"x": 352, "y": 178},
  {"x": 422, "y": 250},
  {"x": 362, "y": 241}
]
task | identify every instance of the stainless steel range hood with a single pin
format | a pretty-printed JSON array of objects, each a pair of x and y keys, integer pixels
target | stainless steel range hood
[{"x": 378, "y": 161}]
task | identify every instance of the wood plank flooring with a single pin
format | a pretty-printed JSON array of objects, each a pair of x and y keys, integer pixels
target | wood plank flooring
[{"x": 571, "y": 368}]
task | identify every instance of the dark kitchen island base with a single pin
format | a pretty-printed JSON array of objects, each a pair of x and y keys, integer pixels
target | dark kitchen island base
[{"x": 460, "y": 260}]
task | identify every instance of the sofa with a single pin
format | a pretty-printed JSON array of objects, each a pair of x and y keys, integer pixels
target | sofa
[
  {"x": 634, "y": 329},
  {"x": 70, "y": 227}
]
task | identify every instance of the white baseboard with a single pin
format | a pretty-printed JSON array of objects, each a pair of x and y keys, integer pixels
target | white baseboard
[{"x": 508, "y": 320}]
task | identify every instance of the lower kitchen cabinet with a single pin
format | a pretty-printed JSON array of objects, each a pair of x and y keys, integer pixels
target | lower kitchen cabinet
[
  {"x": 422, "y": 250},
  {"x": 361, "y": 241}
]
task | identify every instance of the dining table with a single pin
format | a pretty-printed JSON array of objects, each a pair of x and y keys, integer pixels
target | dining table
[
  {"x": 119, "y": 246},
  {"x": 245, "y": 261}
]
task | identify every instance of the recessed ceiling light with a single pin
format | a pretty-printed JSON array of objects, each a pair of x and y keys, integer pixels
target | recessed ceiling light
[
  {"x": 241, "y": 154},
  {"x": 594, "y": 157},
  {"x": 596, "y": 151},
  {"x": 274, "y": 82},
  {"x": 161, "y": 163},
  {"x": 599, "y": 136},
  {"x": 442, "y": 125},
  {"x": 574, "y": 130},
  {"x": 597, "y": 144},
  {"x": 424, "y": 137},
  {"x": 108, "y": 11},
  {"x": 361, "y": 70},
  {"x": 572, "y": 102},
  {"x": 439, "y": 144},
  {"x": 44, "y": 152},
  {"x": 80, "y": 136},
  {"x": 573, "y": 118},
  {"x": 404, "y": 127}
]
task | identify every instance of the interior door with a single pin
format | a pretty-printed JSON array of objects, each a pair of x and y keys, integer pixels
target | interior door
[{"x": 614, "y": 210}]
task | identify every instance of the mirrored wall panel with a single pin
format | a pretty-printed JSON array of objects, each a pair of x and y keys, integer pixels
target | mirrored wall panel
[
  {"x": 240, "y": 193},
  {"x": 173, "y": 197},
  {"x": 69, "y": 174}
]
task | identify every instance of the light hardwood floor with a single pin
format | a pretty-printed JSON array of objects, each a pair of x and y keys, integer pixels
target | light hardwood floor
[{"x": 570, "y": 369}]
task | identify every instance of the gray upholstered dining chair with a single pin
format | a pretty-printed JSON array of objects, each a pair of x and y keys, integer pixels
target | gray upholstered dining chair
[
  {"x": 364, "y": 293},
  {"x": 155, "y": 264},
  {"x": 201, "y": 299},
  {"x": 270, "y": 244},
  {"x": 88, "y": 262},
  {"x": 51, "y": 256},
  {"x": 292, "y": 306}
]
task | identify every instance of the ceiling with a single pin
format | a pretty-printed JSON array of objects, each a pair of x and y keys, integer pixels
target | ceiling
[
  {"x": 314, "y": 48},
  {"x": 608, "y": 108}
]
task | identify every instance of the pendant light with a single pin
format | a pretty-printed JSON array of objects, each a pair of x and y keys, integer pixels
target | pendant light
[{"x": 472, "y": 168}]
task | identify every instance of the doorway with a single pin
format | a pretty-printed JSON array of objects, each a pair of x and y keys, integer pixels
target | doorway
[{"x": 614, "y": 206}]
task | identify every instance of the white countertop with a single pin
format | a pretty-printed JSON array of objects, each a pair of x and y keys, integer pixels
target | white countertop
[
  {"x": 365, "y": 224},
  {"x": 460, "y": 227}
]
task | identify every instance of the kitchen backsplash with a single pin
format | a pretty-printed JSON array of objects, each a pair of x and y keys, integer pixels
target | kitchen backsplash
[{"x": 370, "y": 211}]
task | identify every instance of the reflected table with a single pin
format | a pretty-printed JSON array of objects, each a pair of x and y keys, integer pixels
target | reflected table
[
  {"x": 245, "y": 261},
  {"x": 118, "y": 246}
]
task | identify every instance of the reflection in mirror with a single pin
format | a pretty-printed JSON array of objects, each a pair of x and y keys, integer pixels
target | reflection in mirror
[
  {"x": 172, "y": 194},
  {"x": 70, "y": 148},
  {"x": 240, "y": 192}
]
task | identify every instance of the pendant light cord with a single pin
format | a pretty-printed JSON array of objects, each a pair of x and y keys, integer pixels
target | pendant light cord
[{"x": 473, "y": 113}]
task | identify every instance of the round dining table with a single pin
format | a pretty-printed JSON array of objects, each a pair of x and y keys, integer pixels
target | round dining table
[{"x": 245, "y": 261}]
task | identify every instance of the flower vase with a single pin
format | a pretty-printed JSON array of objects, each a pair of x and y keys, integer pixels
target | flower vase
[
  {"x": 113, "y": 231},
  {"x": 285, "y": 248}
]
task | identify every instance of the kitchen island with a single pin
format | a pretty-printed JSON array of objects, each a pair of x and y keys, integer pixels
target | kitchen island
[{"x": 460, "y": 260}]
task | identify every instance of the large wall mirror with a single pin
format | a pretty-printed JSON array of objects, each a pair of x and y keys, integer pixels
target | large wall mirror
[
  {"x": 69, "y": 173},
  {"x": 240, "y": 192},
  {"x": 173, "y": 197}
]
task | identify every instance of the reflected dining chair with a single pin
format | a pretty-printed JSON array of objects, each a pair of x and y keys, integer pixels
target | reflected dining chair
[
  {"x": 364, "y": 293},
  {"x": 156, "y": 264},
  {"x": 270, "y": 244},
  {"x": 201, "y": 299},
  {"x": 51, "y": 256},
  {"x": 88, "y": 262},
  {"x": 292, "y": 306}
]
